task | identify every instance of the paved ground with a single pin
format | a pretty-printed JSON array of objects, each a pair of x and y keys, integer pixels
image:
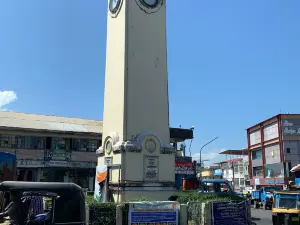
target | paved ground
[{"x": 261, "y": 216}]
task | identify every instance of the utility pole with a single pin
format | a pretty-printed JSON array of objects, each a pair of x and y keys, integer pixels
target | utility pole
[{"x": 201, "y": 153}]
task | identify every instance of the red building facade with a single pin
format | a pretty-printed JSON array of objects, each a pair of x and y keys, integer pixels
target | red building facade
[{"x": 273, "y": 149}]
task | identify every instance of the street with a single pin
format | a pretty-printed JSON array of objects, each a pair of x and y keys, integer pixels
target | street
[{"x": 261, "y": 216}]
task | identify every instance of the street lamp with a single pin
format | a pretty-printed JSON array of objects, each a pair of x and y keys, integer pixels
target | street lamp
[{"x": 201, "y": 153}]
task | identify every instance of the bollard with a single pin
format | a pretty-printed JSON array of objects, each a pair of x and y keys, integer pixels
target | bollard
[
  {"x": 119, "y": 215},
  {"x": 183, "y": 214},
  {"x": 87, "y": 214}
]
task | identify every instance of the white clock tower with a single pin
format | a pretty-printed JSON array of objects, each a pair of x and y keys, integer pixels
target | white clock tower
[{"x": 136, "y": 132}]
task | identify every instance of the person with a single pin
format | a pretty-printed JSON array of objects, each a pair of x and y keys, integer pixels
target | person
[
  {"x": 15, "y": 209},
  {"x": 36, "y": 206}
]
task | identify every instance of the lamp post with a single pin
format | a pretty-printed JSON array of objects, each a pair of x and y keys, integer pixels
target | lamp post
[{"x": 201, "y": 153}]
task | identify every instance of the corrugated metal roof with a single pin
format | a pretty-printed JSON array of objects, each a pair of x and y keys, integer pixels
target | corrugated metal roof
[{"x": 50, "y": 123}]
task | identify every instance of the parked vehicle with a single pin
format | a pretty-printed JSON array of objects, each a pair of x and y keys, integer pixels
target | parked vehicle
[
  {"x": 216, "y": 185},
  {"x": 264, "y": 196},
  {"x": 286, "y": 208},
  {"x": 67, "y": 201}
]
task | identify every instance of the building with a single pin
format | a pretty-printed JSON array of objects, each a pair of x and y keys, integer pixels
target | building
[
  {"x": 235, "y": 169},
  {"x": 51, "y": 148},
  {"x": 211, "y": 172},
  {"x": 61, "y": 149},
  {"x": 274, "y": 148}
]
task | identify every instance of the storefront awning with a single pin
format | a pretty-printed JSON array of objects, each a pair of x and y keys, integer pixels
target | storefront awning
[{"x": 296, "y": 168}]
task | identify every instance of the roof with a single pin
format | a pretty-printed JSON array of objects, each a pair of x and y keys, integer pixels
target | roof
[
  {"x": 49, "y": 123},
  {"x": 26, "y": 121},
  {"x": 235, "y": 152},
  {"x": 40, "y": 186},
  {"x": 181, "y": 134},
  {"x": 231, "y": 160},
  {"x": 271, "y": 118}
]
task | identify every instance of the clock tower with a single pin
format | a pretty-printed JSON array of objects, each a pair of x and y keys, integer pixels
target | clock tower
[{"x": 136, "y": 136}]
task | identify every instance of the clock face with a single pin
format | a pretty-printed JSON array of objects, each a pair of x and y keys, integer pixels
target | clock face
[
  {"x": 151, "y": 3},
  {"x": 114, "y": 5}
]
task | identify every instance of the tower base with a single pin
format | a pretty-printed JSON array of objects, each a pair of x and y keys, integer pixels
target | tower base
[{"x": 127, "y": 194}]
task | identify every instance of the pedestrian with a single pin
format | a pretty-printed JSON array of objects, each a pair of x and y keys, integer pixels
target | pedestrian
[
  {"x": 36, "y": 205},
  {"x": 15, "y": 210}
]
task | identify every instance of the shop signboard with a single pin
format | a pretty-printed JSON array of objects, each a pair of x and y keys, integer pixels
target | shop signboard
[
  {"x": 82, "y": 164},
  {"x": 58, "y": 155},
  {"x": 57, "y": 163},
  {"x": 153, "y": 213},
  {"x": 26, "y": 163},
  {"x": 234, "y": 213},
  {"x": 274, "y": 181},
  {"x": 184, "y": 168},
  {"x": 183, "y": 159},
  {"x": 291, "y": 127}
]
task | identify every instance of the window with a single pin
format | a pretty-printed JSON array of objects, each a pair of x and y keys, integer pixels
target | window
[
  {"x": 25, "y": 142},
  {"x": 288, "y": 150},
  {"x": 48, "y": 142},
  {"x": 37, "y": 142},
  {"x": 258, "y": 171},
  {"x": 256, "y": 154},
  {"x": 272, "y": 154},
  {"x": 274, "y": 170},
  {"x": 90, "y": 145},
  {"x": 271, "y": 131},
  {"x": 59, "y": 143},
  {"x": 255, "y": 137},
  {"x": 8, "y": 141}
]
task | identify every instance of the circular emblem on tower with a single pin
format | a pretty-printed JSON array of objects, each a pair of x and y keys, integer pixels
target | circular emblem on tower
[
  {"x": 114, "y": 6},
  {"x": 108, "y": 145},
  {"x": 150, "y": 6},
  {"x": 151, "y": 143},
  {"x": 150, "y": 3}
]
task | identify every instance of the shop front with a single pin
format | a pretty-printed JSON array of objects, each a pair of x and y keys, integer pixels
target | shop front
[
  {"x": 80, "y": 173},
  {"x": 184, "y": 170},
  {"x": 29, "y": 170},
  {"x": 273, "y": 176}
]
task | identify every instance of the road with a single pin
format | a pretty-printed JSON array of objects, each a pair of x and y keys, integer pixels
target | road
[{"x": 261, "y": 216}]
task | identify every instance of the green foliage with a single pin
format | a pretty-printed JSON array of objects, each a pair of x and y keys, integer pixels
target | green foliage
[
  {"x": 195, "y": 199},
  {"x": 141, "y": 199},
  {"x": 195, "y": 196},
  {"x": 101, "y": 213}
]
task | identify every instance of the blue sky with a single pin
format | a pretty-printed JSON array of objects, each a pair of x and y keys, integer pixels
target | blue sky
[{"x": 231, "y": 63}]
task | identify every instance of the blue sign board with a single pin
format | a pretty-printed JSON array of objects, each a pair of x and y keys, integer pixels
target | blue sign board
[
  {"x": 297, "y": 181},
  {"x": 218, "y": 172},
  {"x": 153, "y": 217},
  {"x": 146, "y": 213},
  {"x": 224, "y": 213},
  {"x": 270, "y": 182}
]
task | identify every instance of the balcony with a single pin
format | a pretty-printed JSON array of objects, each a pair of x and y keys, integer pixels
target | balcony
[{"x": 61, "y": 155}]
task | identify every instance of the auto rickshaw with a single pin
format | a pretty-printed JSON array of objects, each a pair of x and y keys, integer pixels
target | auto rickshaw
[
  {"x": 286, "y": 208},
  {"x": 67, "y": 202}
]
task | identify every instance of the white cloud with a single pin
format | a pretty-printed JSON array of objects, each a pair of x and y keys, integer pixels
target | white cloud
[
  {"x": 7, "y": 97},
  {"x": 208, "y": 155}
]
